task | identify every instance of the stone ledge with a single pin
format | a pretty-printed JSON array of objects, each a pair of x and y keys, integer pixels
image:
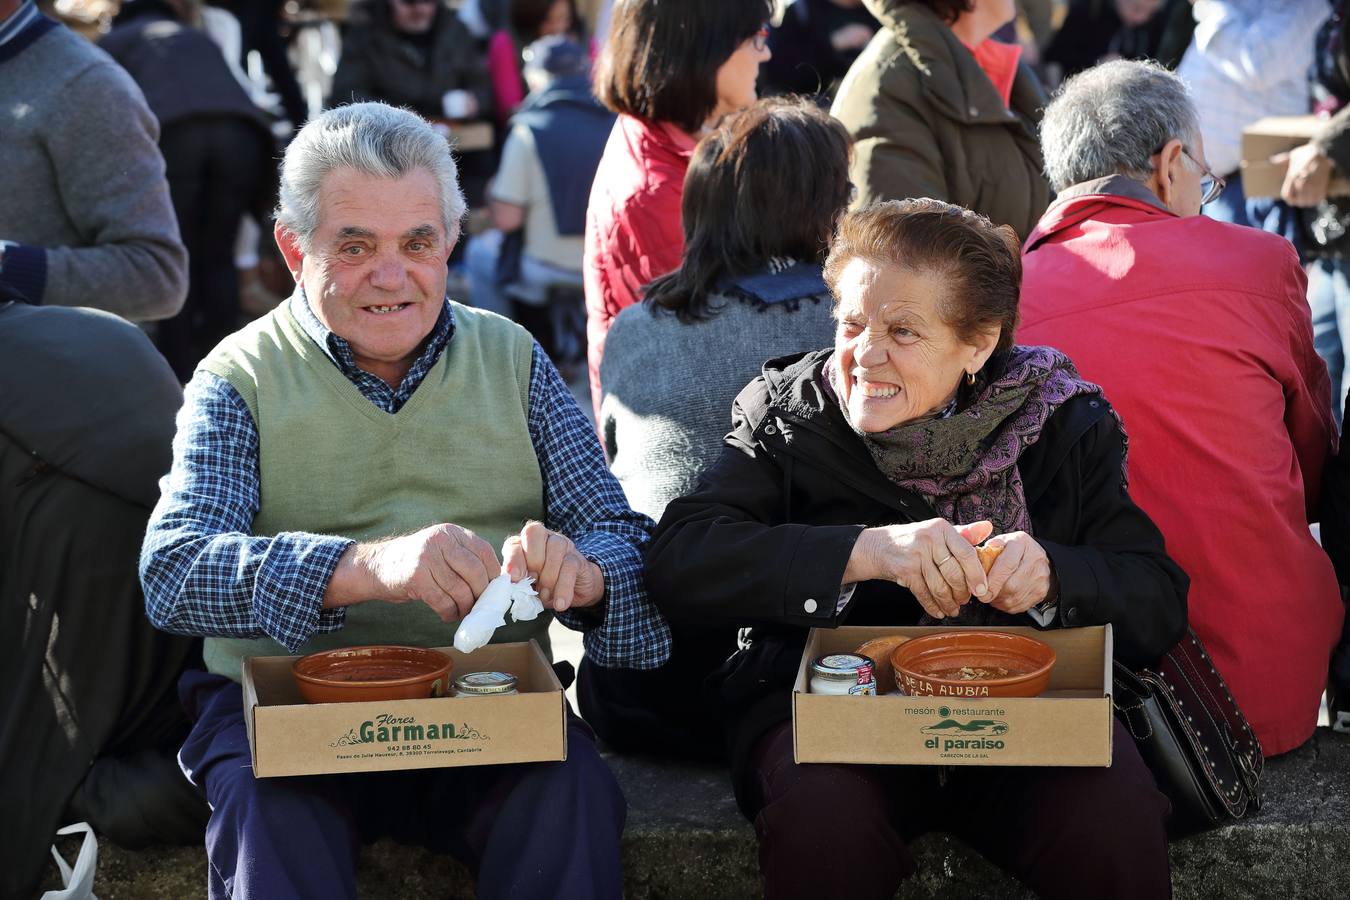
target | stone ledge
[{"x": 685, "y": 838}]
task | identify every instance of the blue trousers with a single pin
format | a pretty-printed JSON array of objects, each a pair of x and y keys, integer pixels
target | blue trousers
[
  {"x": 1329, "y": 299},
  {"x": 527, "y": 831}
]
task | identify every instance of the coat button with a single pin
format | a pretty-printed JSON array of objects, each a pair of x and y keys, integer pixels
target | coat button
[
  {"x": 974, "y": 110},
  {"x": 769, "y": 429},
  {"x": 1071, "y": 616},
  {"x": 809, "y": 606}
]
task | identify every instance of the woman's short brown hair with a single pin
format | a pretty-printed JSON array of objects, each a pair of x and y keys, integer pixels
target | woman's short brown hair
[
  {"x": 981, "y": 261},
  {"x": 661, "y": 60}
]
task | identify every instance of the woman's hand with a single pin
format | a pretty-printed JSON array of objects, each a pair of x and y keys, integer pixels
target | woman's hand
[
  {"x": 1020, "y": 577},
  {"x": 935, "y": 560}
]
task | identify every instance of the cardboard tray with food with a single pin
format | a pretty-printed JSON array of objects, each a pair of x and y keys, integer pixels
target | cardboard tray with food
[
  {"x": 960, "y": 722},
  {"x": 289, "y": 736}
]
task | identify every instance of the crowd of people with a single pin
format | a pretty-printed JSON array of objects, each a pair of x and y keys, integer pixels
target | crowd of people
[{"x": 834, "y": 339}]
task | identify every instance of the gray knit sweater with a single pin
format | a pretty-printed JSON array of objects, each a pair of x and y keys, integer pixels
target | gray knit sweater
[
  {"x": 667, "y": 388},
  {"x": 82, "y": 187}
]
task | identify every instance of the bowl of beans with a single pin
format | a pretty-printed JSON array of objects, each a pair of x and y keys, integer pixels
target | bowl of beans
[{"x": 973, "y": 664}]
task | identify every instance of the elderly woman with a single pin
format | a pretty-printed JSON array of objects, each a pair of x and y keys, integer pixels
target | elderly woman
[
  {"x": 675, "y": 362},
  {"x": 670, "y": 70},
  {"x": 855, "y": 483},
  {"x": 938, "y": 108}
]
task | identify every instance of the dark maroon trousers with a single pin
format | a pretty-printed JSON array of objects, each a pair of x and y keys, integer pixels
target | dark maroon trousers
[{"x": 843, "y": 831}]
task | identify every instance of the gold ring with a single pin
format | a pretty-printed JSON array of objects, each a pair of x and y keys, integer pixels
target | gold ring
[{"x": 941, "y": 561}]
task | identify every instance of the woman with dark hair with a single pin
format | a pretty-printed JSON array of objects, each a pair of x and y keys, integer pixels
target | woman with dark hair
[
  {"x": 669, "y": 70},
  {"x": 530, "y": 20},
  {"x": 853, "y": 488},
  {"x": 749, "y": 288},
  {"x": 938, "y": 108}
]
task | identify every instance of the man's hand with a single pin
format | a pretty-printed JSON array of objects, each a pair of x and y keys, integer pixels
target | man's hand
[
  {"x": 1020, "y": 577},
  {"x": 935, "y": 560},
  {"x": 562, "y": 576},
  {"x": 444, "y": 566},
  {"x": 1308, "y": 176}
]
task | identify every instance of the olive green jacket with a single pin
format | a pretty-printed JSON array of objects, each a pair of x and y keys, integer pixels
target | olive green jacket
[{"x": 927, "y": 122}]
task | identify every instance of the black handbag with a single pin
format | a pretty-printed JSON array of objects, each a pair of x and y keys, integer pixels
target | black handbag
[{"x": 1192, "y": 736}]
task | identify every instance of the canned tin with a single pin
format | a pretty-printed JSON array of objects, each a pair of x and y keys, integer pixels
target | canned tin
[
  {"x": 843, "y": 674},
  {"x": 485, "y": 684}
]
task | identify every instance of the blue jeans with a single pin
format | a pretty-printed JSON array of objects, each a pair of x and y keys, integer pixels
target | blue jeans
[
  {"x": 1230, "y": 205},
  {"x": 1329, "y": 299}
]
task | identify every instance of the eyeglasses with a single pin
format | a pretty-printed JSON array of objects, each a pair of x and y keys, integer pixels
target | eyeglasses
[
  {"x": 760, "y": 38},
  {"x": 1211, "y": 185}
]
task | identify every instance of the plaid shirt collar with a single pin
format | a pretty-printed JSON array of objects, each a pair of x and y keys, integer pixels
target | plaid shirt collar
[{"x": 340, "y": 352}]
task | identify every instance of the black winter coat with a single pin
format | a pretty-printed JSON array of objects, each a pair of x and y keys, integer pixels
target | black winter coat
[
  {"x": 378, "y": 63},
  {"x": 771, "y": 526}
]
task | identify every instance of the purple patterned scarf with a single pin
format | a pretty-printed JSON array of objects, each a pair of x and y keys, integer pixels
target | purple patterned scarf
[{"x": 965, "y": 464}]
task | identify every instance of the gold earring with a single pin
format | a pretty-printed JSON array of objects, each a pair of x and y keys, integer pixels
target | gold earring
[{"x": 970, "y": 378}]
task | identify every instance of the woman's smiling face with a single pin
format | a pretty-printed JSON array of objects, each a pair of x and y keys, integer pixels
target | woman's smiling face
[{"x": 897, "y": 359}]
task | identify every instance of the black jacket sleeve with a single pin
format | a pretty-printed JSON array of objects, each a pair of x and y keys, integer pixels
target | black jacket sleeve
[
  {"x": 1110, "y": 558},
  {"x": 725, "y": 553}
]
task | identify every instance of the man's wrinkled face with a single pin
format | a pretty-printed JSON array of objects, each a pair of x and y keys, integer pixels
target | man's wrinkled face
[{"x": 376, "y": 268}]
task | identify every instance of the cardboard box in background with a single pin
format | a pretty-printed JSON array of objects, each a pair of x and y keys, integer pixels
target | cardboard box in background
[
  {"x": 1278, "y": 134},
  {"x": 1069, "y": 725},
  {"x": 291, "y": 737}
]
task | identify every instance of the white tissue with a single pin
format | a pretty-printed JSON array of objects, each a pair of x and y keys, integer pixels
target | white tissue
[{"x": 489, "y": 613}]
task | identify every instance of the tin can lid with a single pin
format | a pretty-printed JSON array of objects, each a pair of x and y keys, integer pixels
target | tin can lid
[
  {"x": 841, "y": 666},
  {"x": 485, "y": 683}
]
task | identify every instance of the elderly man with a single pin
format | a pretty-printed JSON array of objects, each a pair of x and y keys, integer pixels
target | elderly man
[
  {"x": 1200, "y": 334},
  {"x": 343, "y": 470}
]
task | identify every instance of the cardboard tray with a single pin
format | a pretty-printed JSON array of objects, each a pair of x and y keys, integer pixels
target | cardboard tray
[
  {"x": 1069, "y": 725},
  {"x": 1277, "y": 134},
  {"x": 291, "y": 737}
]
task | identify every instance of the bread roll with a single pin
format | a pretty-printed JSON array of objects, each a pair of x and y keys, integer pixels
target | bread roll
[
  {"x": 987, "y": 555},
  {"x": 879, "y": 651}
]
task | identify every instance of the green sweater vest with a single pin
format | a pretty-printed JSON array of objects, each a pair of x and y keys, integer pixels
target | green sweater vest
[{"x": 331, "y": 462}]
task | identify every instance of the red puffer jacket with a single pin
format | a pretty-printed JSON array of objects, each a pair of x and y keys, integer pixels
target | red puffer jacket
[
  {"x": 633, "y": 229},
  {"x": 1199, "y": 333}
]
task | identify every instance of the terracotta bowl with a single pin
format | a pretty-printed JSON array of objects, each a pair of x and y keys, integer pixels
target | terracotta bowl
[
  {"x": 383, "y": 672},
  {"x": 926, "y": 666}
]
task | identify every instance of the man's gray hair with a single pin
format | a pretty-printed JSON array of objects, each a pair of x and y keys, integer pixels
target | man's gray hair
[
  {"x": 374, "y": 139},
  {"x": 1111, "y": 119}
]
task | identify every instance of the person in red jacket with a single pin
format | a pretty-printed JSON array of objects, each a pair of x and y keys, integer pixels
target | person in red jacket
[
  {"x": 668, "y": 70},
  {"x": 1200, "y": 334}
]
